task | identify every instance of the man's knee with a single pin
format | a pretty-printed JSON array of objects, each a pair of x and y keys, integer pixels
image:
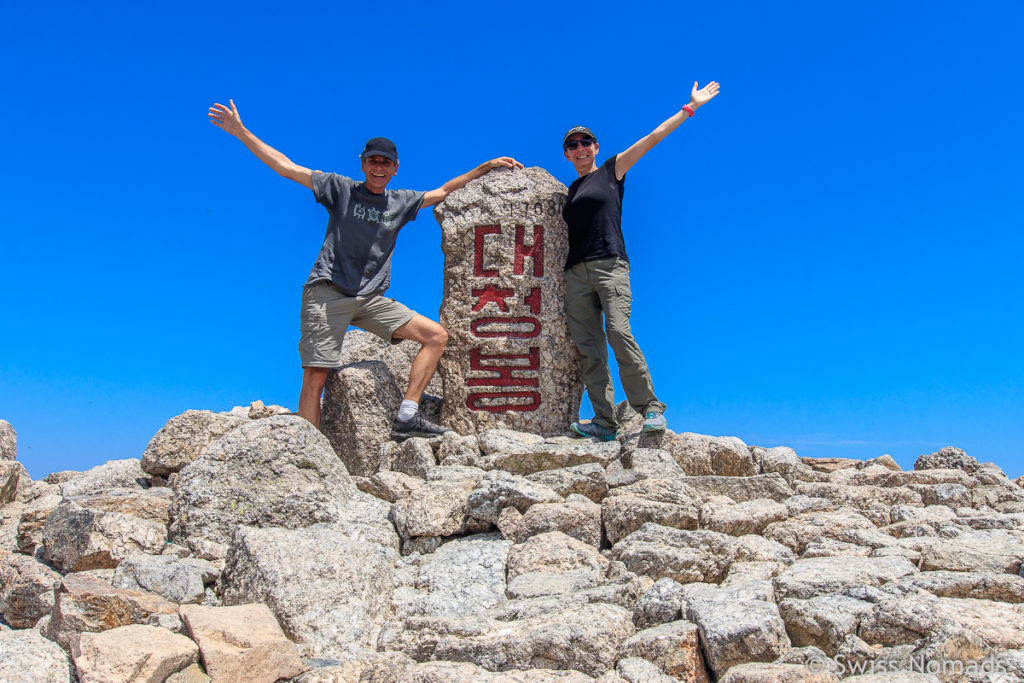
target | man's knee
[{"x": 437, "y": 336}]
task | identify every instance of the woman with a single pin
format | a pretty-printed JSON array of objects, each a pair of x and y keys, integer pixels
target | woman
[{"x": 597, "y": 274}]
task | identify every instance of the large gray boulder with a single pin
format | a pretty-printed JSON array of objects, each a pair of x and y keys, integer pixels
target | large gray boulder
[
  {"x": 947, "y": 458},
  {"x": 586, "y": 480},
  {"x": 584, "y": 638},
  {"x": 497, "y": 490},
  {"x": 26, "y": 590},
  {"x": 464, "y": 576},
  {"x": 329, "y": 591},
  {"x": 699, "y": 454},
  {"x": 8, "y": 441},
  {"x": 360, "y": 402},
  {"x": 183, "y": 438},
  {"x": 114, "y": 474},
  {"x": 180, "y": 580},
  {"x": 510, "y": 361},
  {"x": 28, "y": 657},
  {"x": 77, "y": 538},
  {"x": 809, "y": 577},
  {"x": 274, "y": 472}
]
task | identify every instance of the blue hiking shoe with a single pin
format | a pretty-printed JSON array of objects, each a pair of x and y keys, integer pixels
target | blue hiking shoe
[
  {"x": 592, "y": 430},
  {"x": 654, "y": 422}
]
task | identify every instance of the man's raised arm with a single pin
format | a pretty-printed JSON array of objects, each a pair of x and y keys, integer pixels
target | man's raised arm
[
  {"x": 228, "y": 120},
  {"x": 437, "y": 196}
]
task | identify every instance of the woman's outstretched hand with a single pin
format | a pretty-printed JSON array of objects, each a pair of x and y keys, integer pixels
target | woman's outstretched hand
[{"x": 700, "y": 97}]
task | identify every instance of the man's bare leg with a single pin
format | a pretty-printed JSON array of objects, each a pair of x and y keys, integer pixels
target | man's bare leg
[
  {"x": 313, "y": 380},
  {"x": 433, "y": 337}
]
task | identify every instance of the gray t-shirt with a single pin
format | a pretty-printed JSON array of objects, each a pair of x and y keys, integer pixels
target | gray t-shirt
[{"x": 362, "y": 228}]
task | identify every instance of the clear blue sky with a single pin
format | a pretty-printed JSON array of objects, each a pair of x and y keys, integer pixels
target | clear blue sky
[{"x": 827, "y": 256}]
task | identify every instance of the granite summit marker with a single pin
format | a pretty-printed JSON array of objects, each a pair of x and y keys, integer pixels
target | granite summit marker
[{"x": 510, "y": 361}]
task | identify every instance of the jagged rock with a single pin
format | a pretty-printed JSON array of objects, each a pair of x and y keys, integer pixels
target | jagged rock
[
  {"x": 806, "y": 578},
  {"x": 951, "y": 495},
  {"x": 329, "y": 591},
  {"x": 977, "y": 585},
  {"x": 176, "y": 579},
  {"x": 652, "y": 463},
  {"x": 58, "y": 478},
  {"x": 827, "y": 547},
  {"x": 28, "y": 657},
  {"x": 776, "y": 673},
  {"x": 551, "y": 454},
  {"x": 741, "y": 489},
  {"x": 360, "y": 402},
  {"x": 415, "y": 457},
  {"x": 464, "y": 576},
  {"x": 659, "y": 605},
  {"x": 76, "y": 538},
  {"x": 995, "y": 551},
  {"x": 8, "y": 441},
  {"x": 458, "y": 450},
  {"x": 10, "y": 473},
  {"x": 554, "y": 552},
  {"x": 498, "y": 490},
  {"x": 586, "y": 480},
  {"x": 785, "y": 462},
  {"x": 190, "y": 674},
  {"x": 544, "y": 583},
  {"x": 392, "y": 486},
  {"x": 672, "y": 647},
  {"x": 668, "y": 502},
  {"x": 742, "y": 518},
  {"x": 243, "y": 642},
  {"x": 183, "y": 438},
  {"x": 699, "y": 454},
  {"x": 884, "y": 477},
  {"x": 152, "y": 504},
  {"x": 688, "y": 556},
  {"x": 132, "y": 653},
  {"x": 901, "y": 620},
  {"x": 874, "y": 502},
  {"x": 823, "y": 621},
  {"x": 584, "y": 637},
  {"x": 947, "y": 458},
  {"x": 449, "y": 672},
  {"x": 845, "y": 525},
  {"x": 493, "y": 441},
  {"x": 30, "y": 524},
  {"x": 518, "y": 307},
  {"x": 26, "y": 590},
  {"x": 114, "y": 474},
  {"x": 86, "y": 604},
  {"x": 259, "y": 410},
  {"x": 435, "y": 509},
  {"x": 635, "y": 670},
  {"x": 278, "y": 471},
  {"x": 379, "y": 667},
  {"x": 830, "y": 465},
  {"x": 737, "y": 631},
  {"x": 580, "y": 519}
]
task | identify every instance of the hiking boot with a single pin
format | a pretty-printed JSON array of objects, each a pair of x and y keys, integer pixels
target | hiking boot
[
  {"x": 654, "y": 422},
  {"x": 415, "y": 426},
  {"x": 592, "y": 430}
]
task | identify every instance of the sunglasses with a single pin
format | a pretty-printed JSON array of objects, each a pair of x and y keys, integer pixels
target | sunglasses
[{"x": 573, "y": 144}]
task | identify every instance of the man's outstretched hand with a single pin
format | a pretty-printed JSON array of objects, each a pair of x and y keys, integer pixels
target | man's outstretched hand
[
  {"x": 704, "y": 95},
  {"x": 226, "y": 119},
  {"x": 507, "y": 162}
]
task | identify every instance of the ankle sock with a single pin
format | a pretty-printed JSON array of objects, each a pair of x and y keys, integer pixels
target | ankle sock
[{"x": 407, "y": 410}]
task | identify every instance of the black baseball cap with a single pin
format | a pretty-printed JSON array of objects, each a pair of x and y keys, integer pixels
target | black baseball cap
[
  {"x": 578, "y": 129},
  {"x": 380, "y": 147}
]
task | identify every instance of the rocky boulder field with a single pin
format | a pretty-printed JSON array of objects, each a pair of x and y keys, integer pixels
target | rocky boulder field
[{"x": 247, "y": 545}]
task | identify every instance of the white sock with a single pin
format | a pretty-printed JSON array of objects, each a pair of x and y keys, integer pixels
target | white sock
[{"x": 407, "y": 410}]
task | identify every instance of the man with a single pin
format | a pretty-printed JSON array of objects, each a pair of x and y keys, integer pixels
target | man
[
  {"x": 353, "y": 269},
  {"x": 597, "y": 274}
]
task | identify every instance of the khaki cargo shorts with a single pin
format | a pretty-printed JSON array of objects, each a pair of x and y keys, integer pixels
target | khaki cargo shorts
[{"x": 327, "y": 313}]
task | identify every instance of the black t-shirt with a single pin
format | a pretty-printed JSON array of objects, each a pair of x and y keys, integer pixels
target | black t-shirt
[{"x": 593, "y": 212}]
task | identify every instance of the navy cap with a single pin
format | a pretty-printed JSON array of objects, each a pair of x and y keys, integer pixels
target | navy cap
[
  {"x": 380, "y": 147},
  {"x": 578, "y": 129}
]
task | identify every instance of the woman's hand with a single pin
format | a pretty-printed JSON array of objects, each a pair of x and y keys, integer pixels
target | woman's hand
[{"x": 699, "y": 98}]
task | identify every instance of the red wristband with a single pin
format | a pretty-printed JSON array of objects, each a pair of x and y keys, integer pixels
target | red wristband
[{"x": 688, "y": 108}]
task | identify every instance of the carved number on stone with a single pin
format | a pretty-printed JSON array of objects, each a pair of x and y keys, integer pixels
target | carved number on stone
[{"x": 516, "y": 328}]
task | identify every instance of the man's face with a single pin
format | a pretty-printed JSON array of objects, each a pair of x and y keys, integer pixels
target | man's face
[
  {"x": 583, "y": 156},
  {"x": 378, "y": 171}
]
